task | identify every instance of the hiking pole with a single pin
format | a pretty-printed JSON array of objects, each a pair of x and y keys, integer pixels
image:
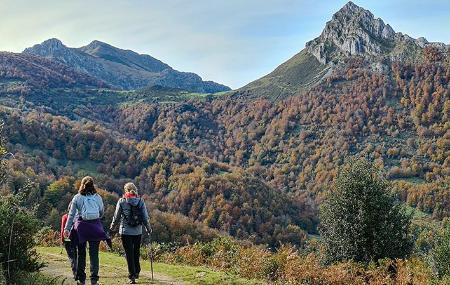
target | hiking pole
[{"x": 151, "y": 252}]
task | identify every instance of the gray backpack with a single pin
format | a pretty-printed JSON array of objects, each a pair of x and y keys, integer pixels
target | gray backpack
[{"x": 90, "y": 210}]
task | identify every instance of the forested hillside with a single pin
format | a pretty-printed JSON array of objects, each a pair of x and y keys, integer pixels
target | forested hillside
[
  {"x": 254, "y": 167},
  {"x": 202, "y": 158}
]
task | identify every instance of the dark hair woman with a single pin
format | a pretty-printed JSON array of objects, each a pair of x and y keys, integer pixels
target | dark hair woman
[
  {"x": 131, "y": 213},
  {"x": 85, "y": 212},
  {"x": 87, "y": 186}
]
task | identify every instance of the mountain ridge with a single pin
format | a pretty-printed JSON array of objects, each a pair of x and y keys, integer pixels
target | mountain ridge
[{"x": 123, "y": 69}]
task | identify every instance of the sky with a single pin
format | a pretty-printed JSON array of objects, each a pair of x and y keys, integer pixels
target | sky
[{"x": 231, "y": 41}]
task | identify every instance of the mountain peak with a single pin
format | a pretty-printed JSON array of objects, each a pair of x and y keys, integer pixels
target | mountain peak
[
  {"x": 47, "y": 46},
  {"x": 53, "y": 41},
  {"x": 350, "y": 6},
  {"x": 352, "y": 13},
  {"x": 98, "y": 44},
  {"x": 351, "y": 31}
]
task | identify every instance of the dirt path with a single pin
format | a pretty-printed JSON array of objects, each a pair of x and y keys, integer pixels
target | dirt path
[{"x": 110, "y": 273}]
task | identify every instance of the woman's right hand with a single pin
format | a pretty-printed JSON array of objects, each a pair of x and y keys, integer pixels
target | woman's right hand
[{"x": 66, "y": 234}]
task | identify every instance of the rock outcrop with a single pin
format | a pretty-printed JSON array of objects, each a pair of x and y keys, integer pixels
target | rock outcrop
[{"x": 355, "y": 31}]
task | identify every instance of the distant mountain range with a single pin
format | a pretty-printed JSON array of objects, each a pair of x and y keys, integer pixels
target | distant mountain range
[
  {"x": 352, "y": 32},
  {"x": 124, "y": 69}
]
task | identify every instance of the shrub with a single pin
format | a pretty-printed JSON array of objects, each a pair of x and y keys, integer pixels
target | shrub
[
  {"x": 17, "y": 230},
  {"x": 253, "y": 262},
  {"x": 2, "y": 277},
  {"x": 221, "y": 253},
  {"x": 440, "y": 253},
  {"x": 46, "y": 236},
  {"x": 361, "y": 220}
]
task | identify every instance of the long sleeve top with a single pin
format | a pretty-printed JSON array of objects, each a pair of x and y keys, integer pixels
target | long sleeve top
[
  {"x": 77, "y": 204},
  {"x": 123, "y": 210}
]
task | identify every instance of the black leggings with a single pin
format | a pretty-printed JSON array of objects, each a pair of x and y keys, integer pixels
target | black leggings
[
  {"x": 93, "y": 257},
  {"x": 132, "y": 246}
]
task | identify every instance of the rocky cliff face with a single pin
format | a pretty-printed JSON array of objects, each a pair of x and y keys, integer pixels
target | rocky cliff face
[
  {"x": 352, "y": 31},
  {"x": 123, "y": 69},
  {"x": 355, "y": 31}
]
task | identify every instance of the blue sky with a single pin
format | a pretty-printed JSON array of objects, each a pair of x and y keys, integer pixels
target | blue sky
[{"x": 231, "y": 41}]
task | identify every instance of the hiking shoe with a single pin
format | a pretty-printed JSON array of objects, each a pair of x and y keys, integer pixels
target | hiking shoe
[
  {"x": 131, "y": 281},
  {"x": 80, "y": 283},
  {"x": 136, "y": 276}
]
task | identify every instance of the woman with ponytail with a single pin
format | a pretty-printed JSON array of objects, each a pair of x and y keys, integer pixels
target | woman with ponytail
[{"x": 131, "y": 216}]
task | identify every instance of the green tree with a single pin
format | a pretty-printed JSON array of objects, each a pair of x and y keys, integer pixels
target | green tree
[
  {"x": 440, "y": 253},
  {"x": 17, "y": 229},
  {"x": 56, "y": 190},
  {"x": 361, "y": 220}
]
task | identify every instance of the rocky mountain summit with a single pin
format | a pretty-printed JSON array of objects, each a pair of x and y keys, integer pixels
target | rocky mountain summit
[
  {"x": 352, "y": 32},
  {"x": 355, "y": 31},
  {"x": 124, "y": 69}
]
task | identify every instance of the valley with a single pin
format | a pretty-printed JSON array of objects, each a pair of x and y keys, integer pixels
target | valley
[{"x": 254, "y": 164}]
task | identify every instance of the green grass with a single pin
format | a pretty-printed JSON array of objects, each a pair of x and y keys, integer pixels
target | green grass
[
  {"x": 37, "y": 279},
  {"x": 298, "y": 73},
  {"x": 87, "y": 166},
  {"x": 186, "y": 274}
]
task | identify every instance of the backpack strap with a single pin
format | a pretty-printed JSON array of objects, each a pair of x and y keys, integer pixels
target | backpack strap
[{"x": 82, "y": 206}]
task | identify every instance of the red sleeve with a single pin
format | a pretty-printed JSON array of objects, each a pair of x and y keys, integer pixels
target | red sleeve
[{"x": 63, "y": 225}]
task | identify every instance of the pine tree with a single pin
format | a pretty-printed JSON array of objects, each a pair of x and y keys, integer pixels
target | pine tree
[{"x": 361, "y": 220}]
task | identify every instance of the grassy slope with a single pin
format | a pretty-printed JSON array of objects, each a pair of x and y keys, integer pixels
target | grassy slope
[
  {"x": 113, "y": 271},
  {"x": 78, "y": 103},
  {"x": 298, "y": 73}
]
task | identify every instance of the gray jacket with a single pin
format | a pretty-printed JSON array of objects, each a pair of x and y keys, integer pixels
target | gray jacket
[
  {"x": 123, "y": 209},
  {"x": 77, "y": 204}
]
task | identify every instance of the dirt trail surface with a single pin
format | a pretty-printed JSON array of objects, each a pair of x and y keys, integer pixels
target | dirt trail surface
[{"x": 112, "y": 271}]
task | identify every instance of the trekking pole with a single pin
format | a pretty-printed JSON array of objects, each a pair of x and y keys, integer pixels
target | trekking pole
[
  {"x": 61, "y": 245},
  {"x": 151, "y": 252}
]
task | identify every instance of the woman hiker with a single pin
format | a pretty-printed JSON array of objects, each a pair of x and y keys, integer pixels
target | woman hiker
[
  {"x": 131, "y": 213},
  {"x": 85, "y": 212}
]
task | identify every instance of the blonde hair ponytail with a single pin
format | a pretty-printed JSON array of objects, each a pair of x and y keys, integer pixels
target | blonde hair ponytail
[{"x": 130, "y": 188}]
